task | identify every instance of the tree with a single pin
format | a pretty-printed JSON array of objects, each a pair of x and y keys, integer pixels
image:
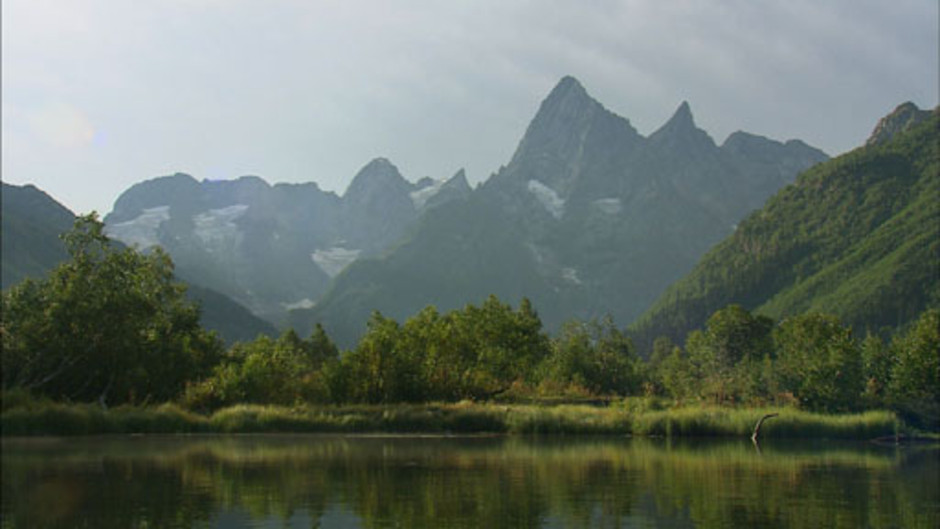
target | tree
[
  {"x": 819, "y": 362},
  {"x": 728, "y": 352},
  {"x": 108, "y": 324},
  {"x": 914, "y": 389},
  {"x": 596, "y": 356},
  {"x": 876, "y": 369}
]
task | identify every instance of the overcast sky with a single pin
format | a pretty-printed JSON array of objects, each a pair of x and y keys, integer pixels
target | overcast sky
[{"x": 101, "y": 94}]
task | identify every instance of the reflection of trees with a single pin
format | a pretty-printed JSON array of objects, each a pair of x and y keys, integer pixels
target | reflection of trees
[{"x": 411, "y": 482}]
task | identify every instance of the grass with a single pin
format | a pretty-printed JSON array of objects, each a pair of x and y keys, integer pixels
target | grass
[{"x": 27, "y": 416}]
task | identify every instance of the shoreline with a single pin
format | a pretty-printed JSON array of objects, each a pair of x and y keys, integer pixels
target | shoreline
[{"x": 627, "y": 418}]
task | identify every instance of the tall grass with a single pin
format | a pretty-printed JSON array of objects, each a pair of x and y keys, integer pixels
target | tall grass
[
  {"x": 23, "y": 415},
  {"x": 715, "y": 421}
]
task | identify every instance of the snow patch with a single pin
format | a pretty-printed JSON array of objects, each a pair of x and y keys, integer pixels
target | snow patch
[
  {"x": 140, "y": 232},
  {"x": 217, "y": 226},
  {"x": 305, "y": 303},
  {"x": 611, "y": 206},
  {"x": 334, "y": 260},
  {"x": 420, "y": 197},
  {"x": 548, "y": 197},
  {"x": 570, "y": 275}
]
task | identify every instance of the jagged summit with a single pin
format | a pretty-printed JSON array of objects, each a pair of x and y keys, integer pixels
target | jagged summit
[
  {"x": 569, "y": 126},
  {"x": 905, "y": 116},
  {"x": 682, "y": 117},
  {"x": 459, "y": 179},
  {"x": 681, "y": 122},
  {"x": 568, "y": 88},
  {"x": 378, "y": 173},
  {"x": 680, "y": 132}
]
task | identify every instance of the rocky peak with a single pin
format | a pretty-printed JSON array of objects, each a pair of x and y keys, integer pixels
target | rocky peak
[
  {"x": 561, "y": 122},
  {"x": 752, "y": 146},
  {"x": 379, "y": 176},
  {"x": 905, "y": 116},
  {"x": 459, "y": 180},
  {"x": 179, "y": 188},
  {"x": 680, "y": 132}
]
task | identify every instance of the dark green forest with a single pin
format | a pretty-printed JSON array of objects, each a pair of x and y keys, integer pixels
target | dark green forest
[{"x": 113, "y": 326}]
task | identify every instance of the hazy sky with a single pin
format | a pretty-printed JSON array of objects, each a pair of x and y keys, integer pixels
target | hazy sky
[{"x": 100, "y": 94}]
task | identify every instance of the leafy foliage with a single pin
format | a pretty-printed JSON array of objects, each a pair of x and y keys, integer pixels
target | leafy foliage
[{"x": 107, "y": 324}]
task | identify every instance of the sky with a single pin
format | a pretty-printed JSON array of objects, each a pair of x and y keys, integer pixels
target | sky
[{"x": 100, "y": 94}]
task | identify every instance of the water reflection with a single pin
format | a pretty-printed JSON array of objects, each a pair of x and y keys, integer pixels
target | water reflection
[{"x": 322, "y": 481}]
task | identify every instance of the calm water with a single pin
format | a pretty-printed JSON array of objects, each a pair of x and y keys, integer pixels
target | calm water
[{"x": 321, "y": 481}]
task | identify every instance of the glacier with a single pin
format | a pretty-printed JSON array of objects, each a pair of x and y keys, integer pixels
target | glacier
[
  {"x": 140, "y": 232},
  {"x": 217, "y": 227},
  {"x": 420, "y": 197},
  {"x": 334, "y": 260}
]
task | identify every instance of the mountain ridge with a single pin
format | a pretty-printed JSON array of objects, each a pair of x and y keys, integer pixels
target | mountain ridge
[
  {"x": 588, "y": 218},
  {"x": 856, "y": 236}
]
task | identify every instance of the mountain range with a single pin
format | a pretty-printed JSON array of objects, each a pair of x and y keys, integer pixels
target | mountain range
[
  {"x": 589, "y": 218},
  {"x": 857, "y": 236},
  {"x": 31, "y": 222},
  {"x": 273, "y": 248}
]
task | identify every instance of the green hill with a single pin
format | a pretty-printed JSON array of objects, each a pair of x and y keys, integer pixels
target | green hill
[
  {"x": 31, "y": 222},
  {"x": 857, "y": 236}
]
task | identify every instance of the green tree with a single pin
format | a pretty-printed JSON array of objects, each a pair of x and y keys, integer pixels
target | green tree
[
  {"x": 109, "y": 324},
  {"x": 595, "y": 356},
  {"x": 729, "y": 352},
  {"x": 819, "y": 362},
  {"x": 876, "y": 369},
  {"x": 914, "y": 389}
]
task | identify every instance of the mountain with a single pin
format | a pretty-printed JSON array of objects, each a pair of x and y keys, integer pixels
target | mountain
[
  {"x": 273, "y": 248},
  {"x": 905, "y": 117},
  {"x": 588, "y": 218},
  {"x": 31, "y": 222},
  {"x": 857, "y": 236}
]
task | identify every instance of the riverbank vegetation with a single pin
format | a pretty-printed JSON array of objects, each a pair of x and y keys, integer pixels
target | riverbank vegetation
[
  {"x": 639, "y": 416},
  {"x": 110, "y": 333}
]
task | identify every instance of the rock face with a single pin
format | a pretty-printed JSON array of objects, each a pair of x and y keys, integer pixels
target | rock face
[
  {"x": 273, "y": 248},
  {"x": 589, "y": 218},
  {"x": 904, "y": 117}
]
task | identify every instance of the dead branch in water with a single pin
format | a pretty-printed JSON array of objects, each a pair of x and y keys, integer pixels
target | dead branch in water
[{"x": 759, "y": 423}]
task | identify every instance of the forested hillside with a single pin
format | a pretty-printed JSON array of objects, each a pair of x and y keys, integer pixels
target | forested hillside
[{"x": 857, "y": 236}]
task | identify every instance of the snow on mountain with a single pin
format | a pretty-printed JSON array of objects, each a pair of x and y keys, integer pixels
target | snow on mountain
[
  {"x": 140, "y": 232},
  {"x": 547, "y": 196},
  {"x": 334, "y": 260},
  {"x": 610, "y": 206},
  {"x": 421, "y": 196},
  {"x": 217, "y": 227}
]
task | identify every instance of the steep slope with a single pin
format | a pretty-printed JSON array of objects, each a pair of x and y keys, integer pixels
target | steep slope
[
  {"x": 31, "y": 222},
  {"x": 588, "y": 218},
  {"x": 272, "y": 248},
  {"x": 858, "y": 236}
]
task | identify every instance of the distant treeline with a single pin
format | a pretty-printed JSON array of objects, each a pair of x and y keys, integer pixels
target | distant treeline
[{"x": 112, "y": 325}]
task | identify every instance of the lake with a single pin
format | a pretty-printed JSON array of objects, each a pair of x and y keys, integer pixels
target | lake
[{"x": 364, "y": 481}]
